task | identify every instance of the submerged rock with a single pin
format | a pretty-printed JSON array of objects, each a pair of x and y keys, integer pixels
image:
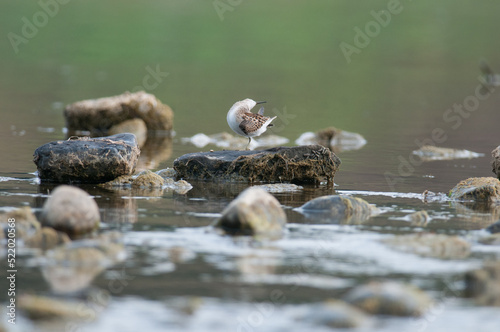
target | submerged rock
[
  {"x": 87, "y": 160},
  {"x": 133, "y": 126},
  {"x": 279, "y": 187},
  {"x": 431, "y": 152},
  {"x": 47, "y": 238},
  {"x": 148, "y": 180},
  {"x": 336, "y": 314},
  {"x": 97, "y": 116},
  {"x": 389, "y": 298},
  {"x": 335, "y": 139},
  {"x": 297, "y": 164},
  {"x": 338, "y": 209},
  {"x": 167, "y": 173},
  {"x": 484, "y": 284},
  {"x": 485, "y": 190},
  {"x": 431, "y": 245},
  {"x": 72, "y": 267},
  {"x": 38, "y": 307},
  {"x": 70, "y": 210},
  {"x": 25, "y": 221},
  {"x": 228, "y": 141},
  {"x": 419, "y": 218},
  {"x": 494, "y": 228},
  {"x": 253, "y": 212}
]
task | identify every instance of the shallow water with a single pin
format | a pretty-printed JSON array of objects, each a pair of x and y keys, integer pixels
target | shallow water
[{"x": 396, "y": 91}]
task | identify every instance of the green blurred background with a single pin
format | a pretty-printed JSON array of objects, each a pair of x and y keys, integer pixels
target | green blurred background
[{"x": 286, "y": 52}]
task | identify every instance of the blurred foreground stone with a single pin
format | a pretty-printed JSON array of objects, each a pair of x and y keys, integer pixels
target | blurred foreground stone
[
  {"x": 87, "y": 160},
  {"x": 484, "y": 284},
  {"x": 301, "y": 164},
  {"x": 70, "y": 210},
  {"x": 431, "y": 245}
]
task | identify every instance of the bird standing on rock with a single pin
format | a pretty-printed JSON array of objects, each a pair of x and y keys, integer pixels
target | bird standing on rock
[{"x": 245, "y": 123}]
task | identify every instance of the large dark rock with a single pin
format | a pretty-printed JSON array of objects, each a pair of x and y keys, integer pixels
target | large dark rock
[
  {"x": 97, "y": 116},
  {"x": 300, "y": 164},
  {"x": 87, "y": 160}
]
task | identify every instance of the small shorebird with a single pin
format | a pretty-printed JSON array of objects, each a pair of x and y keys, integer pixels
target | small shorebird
[{"x": 245, "y": 123}]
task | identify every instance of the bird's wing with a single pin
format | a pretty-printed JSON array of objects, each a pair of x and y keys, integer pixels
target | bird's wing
[
  {"x": 251, "y": 122},
  {"x": 261, "y": 111}
]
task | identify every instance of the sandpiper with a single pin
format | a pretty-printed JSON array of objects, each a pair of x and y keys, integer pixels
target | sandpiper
[{"x": 245, "y": 123}]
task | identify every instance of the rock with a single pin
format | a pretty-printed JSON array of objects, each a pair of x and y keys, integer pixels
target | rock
[
  {"x": 72, "y": 267},
  {"x": 167, "y": 173},
  {"x": 338, "y": 209},
  {"x": 491, "y": 240},
  {"x": 70, "y": 210},
  {"x": 335, "y": 139},
  {"x": 297, "y": 164},
  {"x": 253, "y": 212},
  {"x": 419, "y": 218},
  {"x": 280, "y": 187},
  {"x": 495, "y": 163},
  {"x": 38, "y": 307},
  {"x": 484, "y": 190},
  {"x": 25, "y": 220},
  {"x": 97, "y": 116},
  {"x": 494, "y": 228},
  {"x": 484, "y": 284},
  {"x": 47, "y": 238},
  {"x": 228, "y": 141},
  {"x": 431, "y": 152},
  {"x": 336, "y": 314},
  {"x": 148, "y": 179},
  {"x": 389, "y": 298},
  {"x": 431, "y": 245},
  {"x": 87, "y": 160},
  {"x": 134, "y": 126}
]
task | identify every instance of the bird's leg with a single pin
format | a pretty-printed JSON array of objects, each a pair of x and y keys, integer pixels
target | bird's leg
[{"x": 249, "y": 140}]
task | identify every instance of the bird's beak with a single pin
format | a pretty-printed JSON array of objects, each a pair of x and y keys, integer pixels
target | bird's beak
[{"x": 260, "y": 102}]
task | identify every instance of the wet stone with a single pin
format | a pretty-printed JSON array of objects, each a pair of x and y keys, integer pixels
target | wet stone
[
  {"x": 338, "y": 209},
  {"x": 431, "y": 245},
  {"x": 148, "y": 179},
  {"x": 431, "y": 152},
  {"x": 419, "y": 218},
  {"x": 301, "y": 164},
  {"x": 253, "y": 212},
  {"x": 495, "y": 163},
  {"x": 389, "y": 298},
  {"x": 70, "y": 210},
  {"x": 280, "y": 187},
  {"x": 26, "y": 222},
  {"x": 87, "y": 160},
  {"x": 167, "y": 173},
  {"x": 337, "y": 314},
  {"x": 484, "y": 284},
  {"x": 97, "y": 116},
  {"x": 47, "y": 238},
  {"x": 494, "y": 228},
  {"x": 484, "y": 189},
  {"x": 337, "y": 140}
]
